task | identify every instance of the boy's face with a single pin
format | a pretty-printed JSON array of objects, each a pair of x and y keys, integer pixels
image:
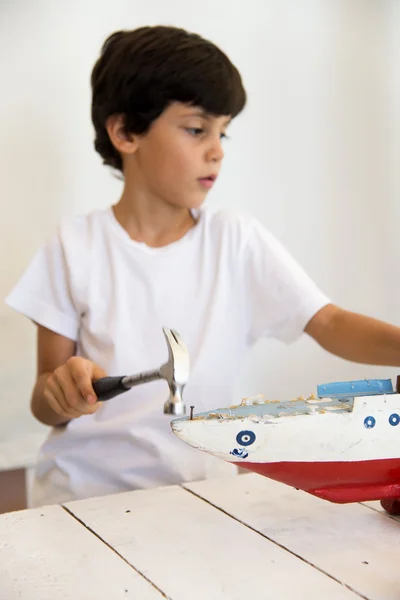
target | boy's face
[{"x": 179, "y": 158}]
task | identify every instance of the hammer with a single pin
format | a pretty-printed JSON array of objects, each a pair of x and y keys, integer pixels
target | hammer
[{"x": 175, "y": 372}]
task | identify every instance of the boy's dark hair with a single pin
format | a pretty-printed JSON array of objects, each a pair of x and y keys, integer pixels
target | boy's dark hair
[{"x": 140, "y": 72}]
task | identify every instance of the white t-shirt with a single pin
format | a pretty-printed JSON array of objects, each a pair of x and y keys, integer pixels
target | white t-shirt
[{"x": 225, "y": 284}]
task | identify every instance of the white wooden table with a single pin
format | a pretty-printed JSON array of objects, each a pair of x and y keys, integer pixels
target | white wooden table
[{"x": 241, "y": 538}]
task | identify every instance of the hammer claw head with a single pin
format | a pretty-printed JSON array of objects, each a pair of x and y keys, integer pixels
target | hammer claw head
[{"x": 176, "y": 370}]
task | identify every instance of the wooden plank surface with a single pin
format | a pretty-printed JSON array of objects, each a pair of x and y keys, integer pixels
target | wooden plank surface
[
  {"x": 377, "y": 506},
  {"x": 46, "y": 554},
  {"x": 351, "y": 542},
  {"x": 192, "y": 551}
]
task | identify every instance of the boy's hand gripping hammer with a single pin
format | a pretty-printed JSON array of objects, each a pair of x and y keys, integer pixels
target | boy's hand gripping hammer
[{"x": 175, "y": 372}]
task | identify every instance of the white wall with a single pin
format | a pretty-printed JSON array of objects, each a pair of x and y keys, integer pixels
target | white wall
[{"x": 313, "y": 156}]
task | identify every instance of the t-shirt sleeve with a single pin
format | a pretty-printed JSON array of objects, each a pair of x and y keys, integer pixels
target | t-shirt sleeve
[
  {"x": 281, "y": 297},
  {"x": 43, "y": 293}
]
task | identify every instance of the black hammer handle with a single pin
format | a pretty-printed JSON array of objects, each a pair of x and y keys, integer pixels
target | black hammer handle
[{"x": 109, "y": 387}]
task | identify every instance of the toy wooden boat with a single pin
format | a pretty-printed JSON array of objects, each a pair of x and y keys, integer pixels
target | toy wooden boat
[{"x": 342, "y": 445}]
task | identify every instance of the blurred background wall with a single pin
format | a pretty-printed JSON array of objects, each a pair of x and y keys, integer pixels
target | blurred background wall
[{"x": 313, "y": 157}]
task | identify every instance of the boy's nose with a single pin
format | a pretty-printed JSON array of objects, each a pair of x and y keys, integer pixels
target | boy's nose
[{"x": 215, "y": 152}]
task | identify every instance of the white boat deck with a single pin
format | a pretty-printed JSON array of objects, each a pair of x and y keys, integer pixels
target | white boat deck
[{"x": 267, "y": 409}]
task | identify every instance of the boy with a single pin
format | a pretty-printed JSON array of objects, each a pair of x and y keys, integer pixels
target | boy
[{"x": 103, "y": 287}]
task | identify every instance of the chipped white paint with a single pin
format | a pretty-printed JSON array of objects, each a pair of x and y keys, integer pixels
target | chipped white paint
[
  {"x": 358, "y": 546},
  {"x": 191, "y": 550},
  {"x": 46, "y": 554},
  {"x": 323, "y": 431}
]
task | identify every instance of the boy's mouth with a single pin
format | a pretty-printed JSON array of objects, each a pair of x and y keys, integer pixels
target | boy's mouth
[{"x": 208, "y": 181}]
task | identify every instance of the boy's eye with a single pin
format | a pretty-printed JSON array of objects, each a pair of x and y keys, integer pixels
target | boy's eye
[{"x": 195, "y": 130}]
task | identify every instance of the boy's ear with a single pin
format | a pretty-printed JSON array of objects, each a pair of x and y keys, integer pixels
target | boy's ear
[{"x": 125, "y": 143}]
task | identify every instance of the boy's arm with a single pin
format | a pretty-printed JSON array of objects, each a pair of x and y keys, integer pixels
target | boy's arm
[
  {"x": 63, "y": 389},
  {"x": 355, "y": 337},
  {"x": 53, "y": 350}
]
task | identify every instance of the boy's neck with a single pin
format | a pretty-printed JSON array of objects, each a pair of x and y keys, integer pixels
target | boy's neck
[{"x": 153, "y": 223}]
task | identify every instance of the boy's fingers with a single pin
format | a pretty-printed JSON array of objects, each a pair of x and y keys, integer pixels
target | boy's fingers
[
  {"x": 72, "y": 397},
  {"x": 91, "y": 408},
  {"x": 81, "y": 377},
  {"x": 97, "y": 372},
  {"x": 56, "y": 399},
  {"x": 69, "y": 412}
]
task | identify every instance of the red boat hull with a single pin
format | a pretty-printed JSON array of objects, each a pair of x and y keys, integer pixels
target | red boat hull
[{"x": 356, "y": 481}]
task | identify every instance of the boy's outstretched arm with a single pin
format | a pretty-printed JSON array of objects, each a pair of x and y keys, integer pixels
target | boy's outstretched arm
[{"x": 355, "y": 337}]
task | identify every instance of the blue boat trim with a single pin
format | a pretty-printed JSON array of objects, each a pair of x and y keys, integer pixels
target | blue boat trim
[
  {"x": 339, "y": 397},
  {"x": 350, "y": 389}
]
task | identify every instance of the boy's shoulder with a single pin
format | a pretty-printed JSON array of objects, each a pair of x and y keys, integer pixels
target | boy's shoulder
[
  {"x": 78, "y": 236},
  {"x": 238, "y": 226},
  {"x": 79, "y": 232},
  {"x": 231, "y": 220},
  {"x": 81, "y": 223}
]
